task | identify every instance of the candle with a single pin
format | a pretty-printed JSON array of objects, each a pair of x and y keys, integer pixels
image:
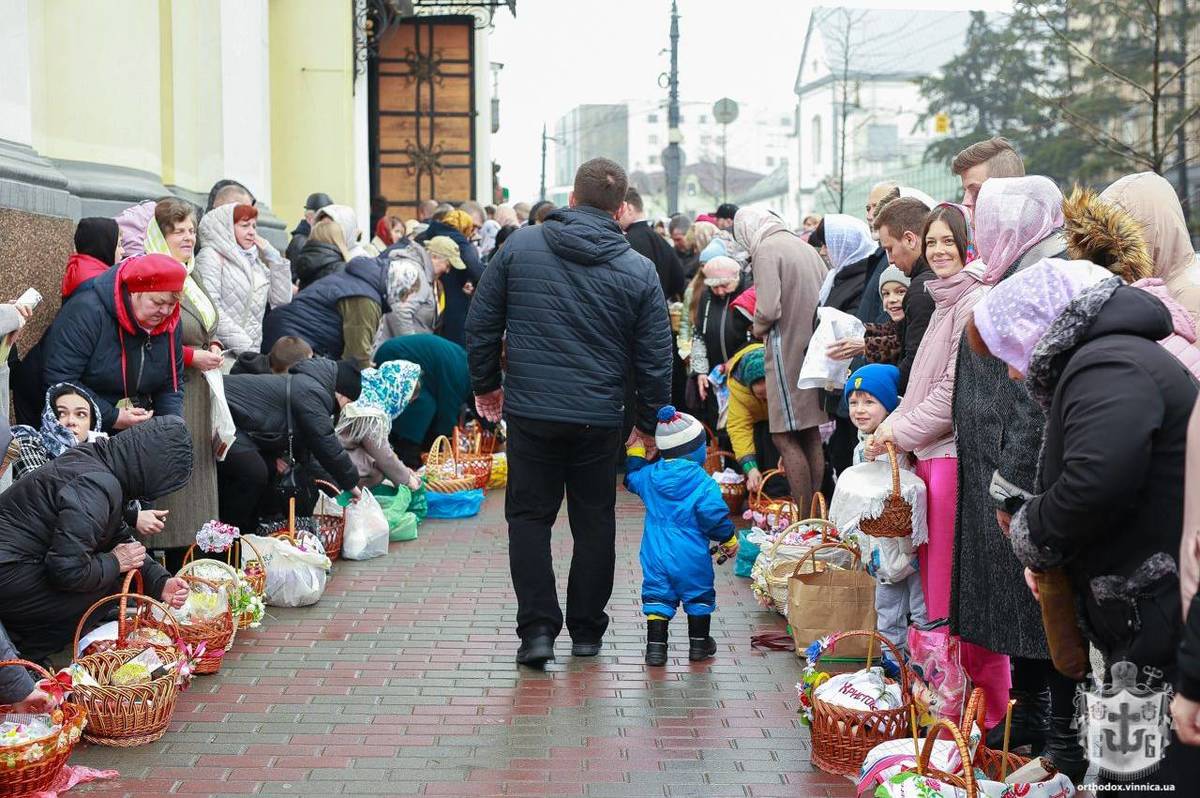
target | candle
[{"x": 1007, "y": 731}]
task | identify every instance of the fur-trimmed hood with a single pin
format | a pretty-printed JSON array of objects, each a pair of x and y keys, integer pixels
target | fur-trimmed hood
[{"x": 1106, "y": 234}]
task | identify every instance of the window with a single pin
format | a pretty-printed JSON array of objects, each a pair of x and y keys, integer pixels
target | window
[
  {"x": 784, "y": 121},
  {"x": 706, "y": 139},
  {"x": 652, "y": 117},
  {"x": 816, "y": 140},
  {"x": 770, "y": 161},
  {"x": 883, "y": 142},
  {"x": 704, "y": 119},
  {"x": 653, "y": 160},
  {"x": 653, "y": 140}
]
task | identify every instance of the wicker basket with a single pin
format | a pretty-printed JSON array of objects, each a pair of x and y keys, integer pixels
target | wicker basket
[
  {"x": 23, "y": 769},
  {"x": 124, "y": 716},
  {"x": 330, "y": 529},
  {"x": 473, "y": 456},
  {"x": 965, "y": 781},
  {"x": 896, "y": 519},
  {"x": 784, "y": 509},
  {"x": 216, "y": 634},
  {"x": 230, "y": 577},
  {"x": 994, "y": 764},
  {"x": 733, "y": 493},
  {"x": 771, "y": 573},
  {"x": 254, "y": 571},
  {"x": 842, "y": 737}
]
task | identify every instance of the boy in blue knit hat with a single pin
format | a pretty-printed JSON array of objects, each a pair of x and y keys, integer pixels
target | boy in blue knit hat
[{"x": 684, "y": 512}]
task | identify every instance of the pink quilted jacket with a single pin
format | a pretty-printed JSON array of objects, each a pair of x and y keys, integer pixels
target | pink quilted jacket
[{"x": 1181, "y": 343}]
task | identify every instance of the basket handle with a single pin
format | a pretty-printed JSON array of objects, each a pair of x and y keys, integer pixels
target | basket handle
[
  {"x": 905, "y": 685},
  {"x": 329, "y": 487},
  {"x": 123, "y": 600},
  {"x": 967, "y": 780},
  {"x": 33, "y": 666},
  {"x": 818, "y": 509},
  {"x": 975, "y": 712},
  {"x": 442, "y": 442},
  {"x": 186, "y": 572},
  {"x": 257, "y": 554},
  {"x": 813, "y": 553},
  {"x": 766, "y": 476},
  {"x": 891, "y": 448},
  {"x": 824, "y": 525}
]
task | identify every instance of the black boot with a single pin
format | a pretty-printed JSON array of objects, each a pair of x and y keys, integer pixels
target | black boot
[
  {"x": 700, "y": 645},
  {"x": 1030, "y": 722},
  {"x": 656, "y": 642},
  {"x": 1064, "y": 749}
]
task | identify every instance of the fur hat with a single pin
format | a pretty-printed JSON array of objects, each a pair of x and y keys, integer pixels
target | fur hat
[
  {"x": 1107, "y": 235},
  {"x": 678, "y": 434}
]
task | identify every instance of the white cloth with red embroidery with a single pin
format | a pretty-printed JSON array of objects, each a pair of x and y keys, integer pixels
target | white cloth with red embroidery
[{"x": 866, "y": 691}]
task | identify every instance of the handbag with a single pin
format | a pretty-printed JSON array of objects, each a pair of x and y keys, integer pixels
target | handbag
[
  {"x": 288, "y": 486},
  {"x": 827, "y": 598},
  {"x": 935, "y": 657}
]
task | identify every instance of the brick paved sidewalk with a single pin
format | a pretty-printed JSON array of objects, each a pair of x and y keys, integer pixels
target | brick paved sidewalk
[{"x": 402, "y": 682}]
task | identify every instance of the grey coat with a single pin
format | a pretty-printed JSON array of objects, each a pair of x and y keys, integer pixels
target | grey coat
[{"x": 998, "y": 428}]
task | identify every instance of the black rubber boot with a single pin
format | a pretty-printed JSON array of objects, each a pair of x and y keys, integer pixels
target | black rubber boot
[
  {"x": 656, "y": 642},
  {"x": 700, "y": 645},
  {"x": 1064, "y": 749},
  {"x": 1031, "y": 715}
]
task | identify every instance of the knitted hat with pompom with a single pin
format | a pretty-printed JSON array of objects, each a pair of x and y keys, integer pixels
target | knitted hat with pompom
[{"x": 677, "y": 434}]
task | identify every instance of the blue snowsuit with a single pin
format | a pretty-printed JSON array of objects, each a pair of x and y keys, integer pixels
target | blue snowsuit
[{"x": 684, "y": 511}]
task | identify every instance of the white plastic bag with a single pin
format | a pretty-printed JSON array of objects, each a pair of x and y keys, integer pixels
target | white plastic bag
[
  {"x": 295, "y": 576},
  {"x": 366, "y": 529},
  {"x": 223, "y": 429},
  {"x": 818, "y": 370}
]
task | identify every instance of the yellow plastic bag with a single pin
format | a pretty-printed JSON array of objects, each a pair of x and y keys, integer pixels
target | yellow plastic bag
[{"x": 499, "y": 470}]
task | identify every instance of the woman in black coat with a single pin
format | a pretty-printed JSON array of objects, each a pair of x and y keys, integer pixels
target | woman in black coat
[
  {"x": 1108, "y": 505},
  {"x": 265, "y": 407},
  {"x": 64, "y": 543}
]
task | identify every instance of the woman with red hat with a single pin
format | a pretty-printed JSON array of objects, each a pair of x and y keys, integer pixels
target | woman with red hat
[{"x": 117, "y": 338}]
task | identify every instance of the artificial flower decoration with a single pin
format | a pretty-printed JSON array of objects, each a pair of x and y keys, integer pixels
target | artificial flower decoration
[{"x": 215, "y": 537}]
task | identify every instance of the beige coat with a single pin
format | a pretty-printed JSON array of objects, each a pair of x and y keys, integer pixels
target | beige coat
[
  {"x": 787, "y": 277},
  {"x": 1151, "y": 200},
  {"x": 1189, "y": 553}
]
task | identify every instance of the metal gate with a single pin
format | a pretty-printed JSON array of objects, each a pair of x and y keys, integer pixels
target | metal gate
[{"x": 422, "y": 106}]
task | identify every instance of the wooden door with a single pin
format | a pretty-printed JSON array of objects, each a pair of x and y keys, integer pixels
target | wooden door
[{"x": 423, "y": 108}]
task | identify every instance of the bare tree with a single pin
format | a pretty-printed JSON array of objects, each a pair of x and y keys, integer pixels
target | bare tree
[{"x": 841, "y": 25}]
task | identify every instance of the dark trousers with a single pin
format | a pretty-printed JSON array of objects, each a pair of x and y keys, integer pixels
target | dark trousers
[
  {"x": 242, "y": 479},
  {"x": 546, "y": 458}
]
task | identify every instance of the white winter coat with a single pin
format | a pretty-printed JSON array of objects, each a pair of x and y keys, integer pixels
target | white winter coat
[{"x": 240, "y": 290}]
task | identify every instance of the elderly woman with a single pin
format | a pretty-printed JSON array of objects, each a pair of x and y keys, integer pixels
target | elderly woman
[
  {"x": 340, "y": 315},
  {"x": 364, "y": 424},
  {"x": 422, "y": 311},
  {"x": 241, "y": 283},
  {"x": 63, "y": 539},
  {"x": 1117, "y": 408},
  {"x": 459, "y": 284},
  {"x": 347, "y": 219},
  {"x": 445, "y": 388},
  {"x": 718, "y": 331},
  {"x": 118, "y": 337}
]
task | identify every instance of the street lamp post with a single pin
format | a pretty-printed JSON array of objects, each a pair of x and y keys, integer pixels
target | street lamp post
[{"x": 673, "y": 157}]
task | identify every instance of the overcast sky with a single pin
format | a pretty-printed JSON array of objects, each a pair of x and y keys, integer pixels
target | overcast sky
[{"x": 561, "y": 53}]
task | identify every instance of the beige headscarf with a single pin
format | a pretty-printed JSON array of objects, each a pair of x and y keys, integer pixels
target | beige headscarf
[
  {"x": 704, "y": 232},
  {"x": 1151, "y": 200},
  {"x": 752, "y": 225}
]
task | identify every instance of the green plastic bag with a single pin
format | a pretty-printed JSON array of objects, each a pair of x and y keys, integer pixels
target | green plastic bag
[
  {"x": 404, "y": 529},
  {"x": 419, "y": 504},
  {"x": 402, "y": 524}
]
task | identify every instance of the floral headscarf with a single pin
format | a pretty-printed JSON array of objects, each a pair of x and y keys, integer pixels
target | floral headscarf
[
  {"x": 386, "y": 391},
  {"x": 1014, "y": 316},
  {"x": 1012, "y": 214},
  {"x": 53, "y": 435},
  {"x": 403, "y": 274}
]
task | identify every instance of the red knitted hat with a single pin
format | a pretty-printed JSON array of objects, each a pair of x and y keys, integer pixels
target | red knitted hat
[
  {"x": 152, "y": 273},
  {"x": 243, "y": 212}
]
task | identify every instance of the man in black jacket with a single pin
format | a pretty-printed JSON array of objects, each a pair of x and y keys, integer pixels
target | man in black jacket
[
  {"x": 580, "y": 311},
  {"x": 260, "y": 405},
  {"x": 646, "y": 242},
  {"x": 901, "y": 224}
]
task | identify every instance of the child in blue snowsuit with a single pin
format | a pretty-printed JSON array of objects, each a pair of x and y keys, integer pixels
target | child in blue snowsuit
[{"x": 684, "y": 512}]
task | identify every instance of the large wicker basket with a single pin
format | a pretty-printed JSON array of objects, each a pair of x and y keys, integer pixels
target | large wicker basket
[
  {"x": 473, "y": 455},
  {"x": 216, "y": 634},
  {"x": 784, "y": 510},
  {"x": 772, "y": 571},
  {"x": 897, "y": 517},
  {"x": 33, "y": 766},
  {"x": 842, "y": 737},
  {"x": 124, "y": 716},
  {"x": 996, "y": 765},
  {"x": 223, "y": 573},
  {"x": 330, "y": 528},
  {"x": 733, "y": 493},
  {"x": 254, "y": 571},
  {"x": 964, "y": 781}
]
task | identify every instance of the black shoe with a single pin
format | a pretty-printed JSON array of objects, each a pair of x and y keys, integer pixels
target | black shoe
[
  {"x": 1064, "y": 749},
  {"x": 701, "y": 646},
  {"x": 1030, "y": 723},
  {"x": 536, "y": 651},
  {"x": 585, "y": 649},
  {"x": 656, "y": 643}
]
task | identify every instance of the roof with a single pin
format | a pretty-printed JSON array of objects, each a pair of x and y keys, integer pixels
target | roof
[
  {"x": 708, "y": 175},
  {"x": 773, "y": 185},
  {"x": 881, "y": 43}
]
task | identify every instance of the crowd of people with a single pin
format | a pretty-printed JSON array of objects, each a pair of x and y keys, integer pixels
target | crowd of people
[{"x": 1031, "y": 357}]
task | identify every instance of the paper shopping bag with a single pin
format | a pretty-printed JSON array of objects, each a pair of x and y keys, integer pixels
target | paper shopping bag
[{"x": 824, "y": 598}]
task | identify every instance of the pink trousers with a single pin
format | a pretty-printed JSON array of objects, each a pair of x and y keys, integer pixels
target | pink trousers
[{"x": 986, "y": 669}]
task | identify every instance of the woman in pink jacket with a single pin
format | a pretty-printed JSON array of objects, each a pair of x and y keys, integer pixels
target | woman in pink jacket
[{"x": 923, "y": 425}]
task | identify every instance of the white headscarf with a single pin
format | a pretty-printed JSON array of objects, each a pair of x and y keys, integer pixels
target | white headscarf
[
  {"x": 848, "y": 240},
  {"x": 752, "y": 225}
]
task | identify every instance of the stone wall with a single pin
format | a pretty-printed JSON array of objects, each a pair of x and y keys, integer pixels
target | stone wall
[{"x": 33, "y": 252}]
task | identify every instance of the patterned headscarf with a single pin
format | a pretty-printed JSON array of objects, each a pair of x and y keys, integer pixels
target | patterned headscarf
[
  {"x": 848, "y": 240},
  {"x": 1015, "y": 315},
  {"x": 386, "y": 391},
  {"x": 1012, "y": 214},
  {"x": 53, "y": 435},
  {"x": 403, "y": 274},
  {"x": 460, "y": 221}
]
